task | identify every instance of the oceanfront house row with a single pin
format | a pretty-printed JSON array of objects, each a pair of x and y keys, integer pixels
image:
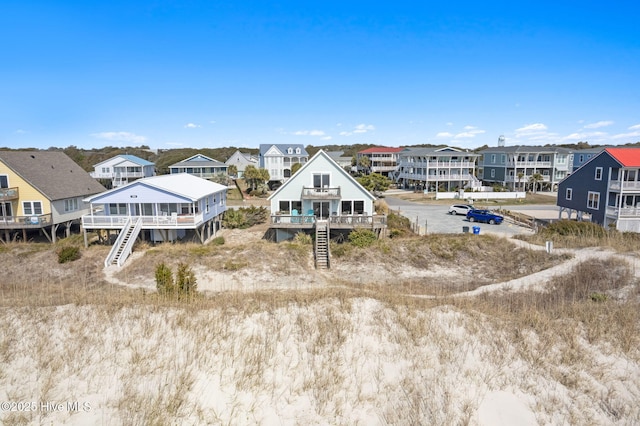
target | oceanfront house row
[
  {"x": 122, "y": 169},
  {"x": 437, "y": 169},
  {"x": 199, "y": 165},
  {"x": 322, "y": 194},
  {"x": 605, "y": 190},
  {"x": 241, "y": 160},
  {"x": 381, "y": 159},
  {"x": 42, "y": 190},
  {"x": 516, "y": 167},
  {"x": 159, "y": 208},
  {"x": 279, "y": 159}
]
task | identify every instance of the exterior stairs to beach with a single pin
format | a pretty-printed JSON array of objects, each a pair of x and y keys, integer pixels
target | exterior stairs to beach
[
  {"x": 322, "y": 244},
  {"x": 124, "y": 243}
]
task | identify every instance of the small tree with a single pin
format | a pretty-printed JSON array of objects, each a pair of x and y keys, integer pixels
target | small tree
[
  {"x": 186, "y": 282},
  {"x": 232, "y": 170},
  {"x": 164, "y": 279},
  {"x": 295, "y": 168},
  {"x": 364, "y": 163},
  {"x": 535, "y": 179},
  {"x": 375, "y": 182}
]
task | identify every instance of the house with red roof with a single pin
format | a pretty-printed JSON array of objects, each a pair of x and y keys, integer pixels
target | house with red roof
[
  {"x": 382, "y": 159},
  {"x": 605, "y": 190}
]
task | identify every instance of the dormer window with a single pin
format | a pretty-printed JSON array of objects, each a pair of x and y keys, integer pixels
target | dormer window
[
  {"x": 290, "y": 151},
  {"x": 297, "y": 150}
]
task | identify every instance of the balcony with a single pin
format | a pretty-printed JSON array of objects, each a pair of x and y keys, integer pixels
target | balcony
[
  {"x": 178, "y": 221},
  {"x": 623, "y": 212},
  {"x": 630, "y": 186},
  {"x": 321, "y": 193},
  {"x": 8, "y": 194},
  {"x": 529, "y": 164},
  {"x": 25, "y": 222},
  {"x": 335, "y": 221}
]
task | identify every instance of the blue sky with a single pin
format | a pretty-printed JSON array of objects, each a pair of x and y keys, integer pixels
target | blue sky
[{"x": 210, "y": 74}]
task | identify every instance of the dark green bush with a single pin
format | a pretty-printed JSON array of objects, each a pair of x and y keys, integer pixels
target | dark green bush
[
  {"x": 164, "y": 279},
  {"x": 362, "y": 237},
  {"x": 68, "y": 254}
]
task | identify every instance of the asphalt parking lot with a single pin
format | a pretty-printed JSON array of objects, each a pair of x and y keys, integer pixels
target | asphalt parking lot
[{"x": 435, "y": 220}]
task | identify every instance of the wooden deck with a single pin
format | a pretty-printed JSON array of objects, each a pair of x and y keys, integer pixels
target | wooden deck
[{"x": 335, "y": 222}]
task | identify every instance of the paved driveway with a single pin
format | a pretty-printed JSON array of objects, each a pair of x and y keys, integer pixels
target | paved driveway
[{"x": 437, "y": 221}]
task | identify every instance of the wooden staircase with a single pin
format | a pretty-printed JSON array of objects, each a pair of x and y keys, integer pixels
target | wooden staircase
[
  {"x": 124, "y": 244},
  {"x": 322, "y": 244}
]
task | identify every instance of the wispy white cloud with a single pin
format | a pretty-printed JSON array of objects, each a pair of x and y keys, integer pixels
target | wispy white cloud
[
  {"x": 531, "y": 128},
  {"x": 309, "y": 133},
  {"x": 120, "y": 137},
  {"x": 599, "y": 124},
  {"x": 360, "y": 128},
  {"x": 326, "y": 138},
  {"x": 20, "y": 132},
  {"x": 585, "y": 136},
  {"x": 629, "y": 135},
  {"x": 444, "y": 135},
  {"x": 191, "y": 126},
  {"x": 635, "y": 127}
]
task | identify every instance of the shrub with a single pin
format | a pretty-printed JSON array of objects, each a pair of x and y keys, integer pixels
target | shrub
[
  {"x": 234, "y": 219},
  {"x": 302, "y": 239},
  {"x": 164, "y": 279},
  {"x": 245, "y": 217},
  {"x": 186, "y": 282},
  {"x": 574, "y": 228},
  {"x": 362, "y": 237},
  {"x": 217, "y": 241},
  {"x": 68, "y": 254},
  {"x": 398, "y": 225}
]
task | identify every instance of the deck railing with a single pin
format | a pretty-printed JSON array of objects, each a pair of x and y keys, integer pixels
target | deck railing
[
  {"x": 7, "y": 194},
  {"x": 20, "y": 222},
  {"x": 623, "y": 212},
  {"x": 337, "y": 220},
  {"x": 625, "y": 185},
  {"x": 148, "y": 222},
  {"x": 319, "y": 193}
]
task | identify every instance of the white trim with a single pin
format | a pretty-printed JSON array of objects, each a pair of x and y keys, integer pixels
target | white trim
[{"x": 593, "y": 200}]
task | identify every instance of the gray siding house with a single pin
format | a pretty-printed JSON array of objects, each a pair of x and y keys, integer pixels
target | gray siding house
[{"x": 513, "y": 166}]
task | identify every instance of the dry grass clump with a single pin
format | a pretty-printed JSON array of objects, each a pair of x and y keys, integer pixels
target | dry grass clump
[{"x": 573, "y": 234}]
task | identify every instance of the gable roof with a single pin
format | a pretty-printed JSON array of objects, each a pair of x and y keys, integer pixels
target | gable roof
[
  {"x": 306, "y": 165},
  {"x": 128, "y": 157},
  {"x": 52, "y": 173},
  {"x": 199, "y": 160},
  {"x": 627, "y": 157},
  {"x": 380, "y": 149},
  {"x": 181, "y": 184}
]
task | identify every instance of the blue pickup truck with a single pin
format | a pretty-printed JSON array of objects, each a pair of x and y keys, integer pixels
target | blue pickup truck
[{"x": 477, "y": 215}]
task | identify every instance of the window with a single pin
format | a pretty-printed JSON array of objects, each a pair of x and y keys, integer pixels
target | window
[
  {"x": 207, "y": 204},
  {"x": 346, "y": 207},
  {"x": 4, "y": 181},
  {"x": 117, "y": 209},
  {"x": 598, "y": 173},
  {"x": 593, "y": 200},
  {"x": 569, "y": 194},
  {"x": 71, "y": 205},
  {"x": 290, "y": 151},
  {"x": 503, "y": 158},
  {"x": 493, "y": 173},
  {"x": 297, "y": 150},
  {"x": 321, "y": 180},
  {"x": 562, "y": 159},
  {"x": 32, "y": 207},
  {"x": 581, "y": 158},
  {"x": 493, "y": 159}
]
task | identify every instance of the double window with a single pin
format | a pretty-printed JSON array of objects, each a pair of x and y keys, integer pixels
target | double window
[
  {"x": 71, "y": 205},
  {"x": 32, "y": 208},
  {"x": 321, "y": 180}
]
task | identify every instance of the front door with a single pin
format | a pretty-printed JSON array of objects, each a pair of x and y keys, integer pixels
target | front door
[{"x": 321, "y": 209}]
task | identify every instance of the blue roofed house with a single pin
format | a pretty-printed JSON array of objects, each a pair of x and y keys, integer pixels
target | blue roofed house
[
  {"x": 278, "y": 160},
  {"x": 605, "y": 190},
  {"x": 322, "y": 197},
  {"x": 161, "y": 208},
  {"x": 122, "y": 169},
  {"x": 199, "y": 165}
]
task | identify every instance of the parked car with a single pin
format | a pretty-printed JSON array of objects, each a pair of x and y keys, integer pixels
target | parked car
[
  {"x": 477, "y": 215},
  {"x": 462, "y": 209}
]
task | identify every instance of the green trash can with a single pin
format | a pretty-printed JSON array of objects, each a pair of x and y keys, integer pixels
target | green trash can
[{"x": 476, "y": 230}]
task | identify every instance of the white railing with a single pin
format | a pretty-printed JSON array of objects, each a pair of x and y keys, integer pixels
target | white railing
[
  {"x": 623, "y": 211},
  {"x": 114, "y": 249},
  {"x": 528, "y": 163},
  {"x": 438, "y": 164},
  {"x": 148, "y": 222},
  {"x": 436, "y": 178},
  {"x": 626, "y": 185}
]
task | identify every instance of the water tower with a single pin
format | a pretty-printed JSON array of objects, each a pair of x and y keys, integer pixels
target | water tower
[{"x": 501, "y": 140}]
